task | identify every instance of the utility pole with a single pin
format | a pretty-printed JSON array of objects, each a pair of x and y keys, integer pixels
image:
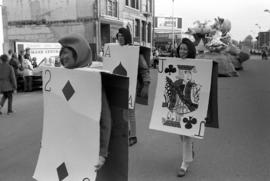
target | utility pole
[
  {"x": 153, "y": 24},
  {"x": 97, "y": 25},
  {"x": 173, "y": 24},
  {"x": 1, "y": 28}
]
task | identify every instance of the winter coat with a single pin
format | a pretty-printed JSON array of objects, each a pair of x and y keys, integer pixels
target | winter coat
[
  {"x": 27, "y": 68},
  {"x": 7, "y": 78}
]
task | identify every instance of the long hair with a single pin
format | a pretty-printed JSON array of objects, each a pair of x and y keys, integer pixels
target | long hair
[
  {"x": 190, "y": 46},
  {"x": 126, "y": 33}
]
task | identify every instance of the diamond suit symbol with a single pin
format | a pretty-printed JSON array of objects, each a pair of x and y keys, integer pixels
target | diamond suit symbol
[
  {"x": 62, "y": 171},
  {"x": 68, "y": 91}
]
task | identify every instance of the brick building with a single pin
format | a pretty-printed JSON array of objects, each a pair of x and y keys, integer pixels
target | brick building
[
  {"x": 264, "y": 39},
  {"x": 97, "y": 20}
]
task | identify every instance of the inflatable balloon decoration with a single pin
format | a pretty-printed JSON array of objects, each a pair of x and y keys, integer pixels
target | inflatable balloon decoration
[{"x": 214, "y": 34}]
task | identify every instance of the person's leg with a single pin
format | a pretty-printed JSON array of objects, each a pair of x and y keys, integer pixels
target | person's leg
[
  {"x": 10, "y": 99},
  {"x": 187, "y": 149},
  {"x": 30, "y": 78},
  {"x": 1, "y": 104},
  {"x": 3, "y": 100},
  {"x": 132, "y": 127},
  {"x": 188, "y": 155},
  {"x": 25, "y": 85}
]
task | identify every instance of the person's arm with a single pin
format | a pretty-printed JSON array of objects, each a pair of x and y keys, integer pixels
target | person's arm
[
  {"x": 13, "y": 78},
  {"x": 105, "y": 130},
  {"x": 30, "y": 66},
  {"x": 145, "y": 75}
]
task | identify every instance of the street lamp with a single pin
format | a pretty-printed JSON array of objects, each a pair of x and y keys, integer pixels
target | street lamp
[{"x": 267, "y": 10}]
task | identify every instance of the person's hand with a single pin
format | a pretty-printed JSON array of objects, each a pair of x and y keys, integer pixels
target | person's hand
[
  {"x": 101, "y": 161},
  {"x": 144, "y": 91},
  {"x": 15, "y": 91}
]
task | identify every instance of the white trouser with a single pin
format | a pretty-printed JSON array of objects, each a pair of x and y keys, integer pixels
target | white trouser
[{"x": 187, "y": 148}]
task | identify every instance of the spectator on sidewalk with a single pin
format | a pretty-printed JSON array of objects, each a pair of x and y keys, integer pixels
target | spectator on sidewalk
[
  {"x": 8, "y": 83},
  {"x": 27, "y": 54},
  {"x": 264, "y": 54},
  {"x": 14, "y": 63},
  {"x": 27, "y": 74},
  {"x": 20, "y": 60},
  {"x": 34, "y": 62},
  {"x": 10, "y": 53}
]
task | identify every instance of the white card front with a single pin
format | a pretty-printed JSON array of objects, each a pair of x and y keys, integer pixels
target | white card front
[
  {"x": 70, "y": 138},
  {"x": 123, "y": 60},
  {"x": 182, "y": 96}
]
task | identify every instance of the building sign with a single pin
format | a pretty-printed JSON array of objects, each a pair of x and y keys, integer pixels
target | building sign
[{"x": 168, "y": 22}]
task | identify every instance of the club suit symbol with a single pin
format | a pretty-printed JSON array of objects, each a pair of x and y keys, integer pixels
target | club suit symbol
[
  {"x": 189, "y": 122},
  {"x": 170, "y": 69}
]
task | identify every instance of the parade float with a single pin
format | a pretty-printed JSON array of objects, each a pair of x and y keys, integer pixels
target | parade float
[{"x": 215, "y": 37}]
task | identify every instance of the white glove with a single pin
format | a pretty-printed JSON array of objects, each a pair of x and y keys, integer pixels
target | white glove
[{"x": 101, "y": 161}]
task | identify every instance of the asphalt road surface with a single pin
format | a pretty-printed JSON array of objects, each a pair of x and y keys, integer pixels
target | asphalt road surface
[{"x": 238, "y": 151}]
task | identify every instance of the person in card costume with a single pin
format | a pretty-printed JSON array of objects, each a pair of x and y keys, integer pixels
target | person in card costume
[
  {"x": 76, "y": 53},
  {"x": 124, "y": 38},
  {"x": 184, "y": 104}
]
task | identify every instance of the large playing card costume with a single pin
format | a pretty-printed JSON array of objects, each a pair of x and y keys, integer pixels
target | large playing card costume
[{"x": 183, "y": 96}]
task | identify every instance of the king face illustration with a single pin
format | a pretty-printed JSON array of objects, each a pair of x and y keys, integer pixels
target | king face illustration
[{"x": 182, "y": 95}]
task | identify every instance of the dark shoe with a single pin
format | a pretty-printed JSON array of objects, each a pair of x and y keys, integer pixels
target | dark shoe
[
  {"x": 132, "y": 141},
  {"x": 10, "y": 112},
  {"x": 1, "y": 113},
  {"x": 182, "y": 172}
]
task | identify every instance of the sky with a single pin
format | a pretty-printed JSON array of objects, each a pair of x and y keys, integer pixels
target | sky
[{"x": 243, "y": 14}]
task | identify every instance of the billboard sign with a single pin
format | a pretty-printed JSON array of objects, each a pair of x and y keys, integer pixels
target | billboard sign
[
  {"x": 168, "y": 22},
  {"x": 40, "y": 50}
]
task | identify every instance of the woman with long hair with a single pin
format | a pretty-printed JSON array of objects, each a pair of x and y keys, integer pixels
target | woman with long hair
[{"x": 186, "y": 49}]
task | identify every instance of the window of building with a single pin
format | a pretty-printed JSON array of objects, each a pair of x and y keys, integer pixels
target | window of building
[
  {"x": 149, "y": 30},
  {"x": 134, "y": 4},
  {"x": 146, "y": 6},
  {"x": 137, "y": 28},
  {"x": 144, "y": 31},
  {"x": 149, "y": 6},
  {"x": 112, "y": 8}
]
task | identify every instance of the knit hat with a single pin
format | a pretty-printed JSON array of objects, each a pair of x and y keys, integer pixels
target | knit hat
[{"x": 81, "y": 48}]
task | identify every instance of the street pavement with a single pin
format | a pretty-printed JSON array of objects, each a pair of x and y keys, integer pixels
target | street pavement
[{"x": 238, "y": 151}]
